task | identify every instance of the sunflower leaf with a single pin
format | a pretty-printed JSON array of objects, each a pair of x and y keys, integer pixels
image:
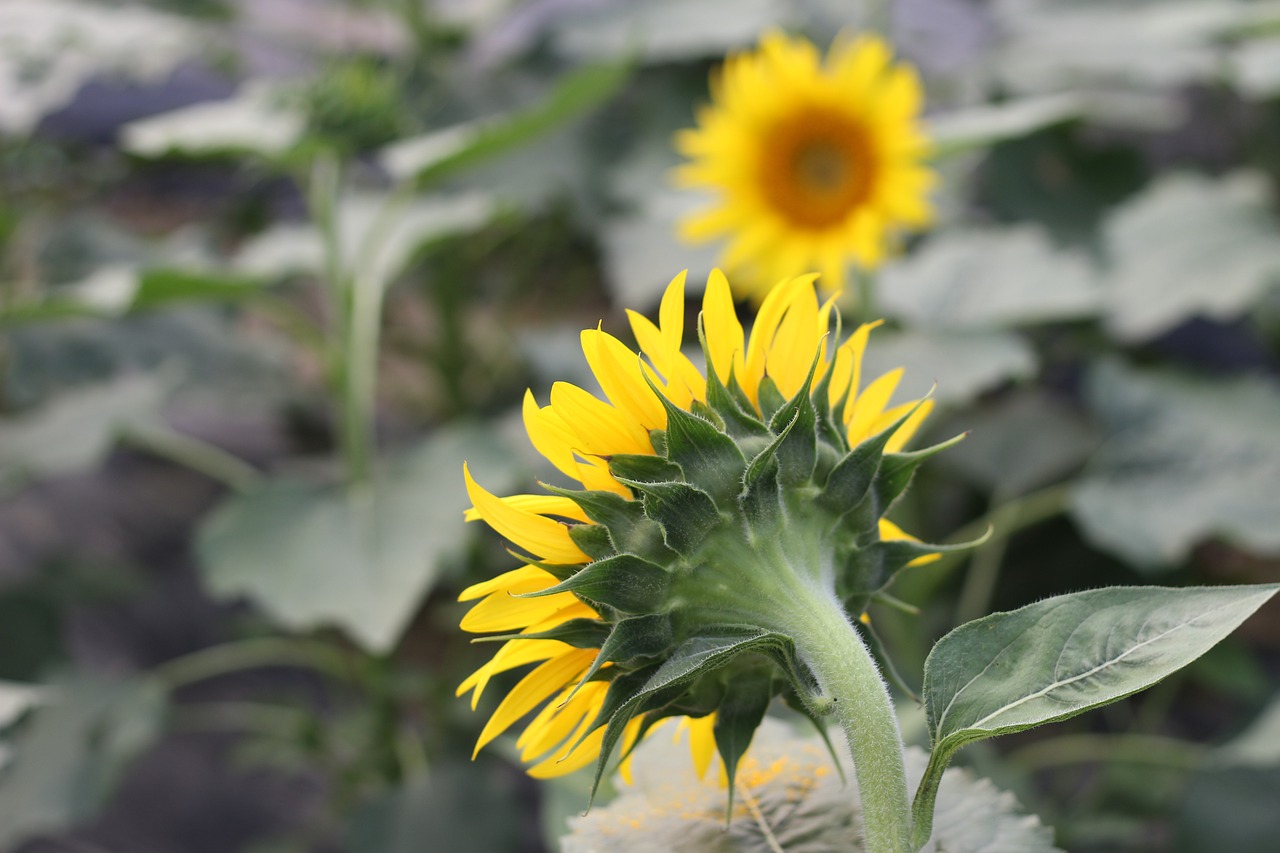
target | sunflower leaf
[{"x": 1065, "y": 655}]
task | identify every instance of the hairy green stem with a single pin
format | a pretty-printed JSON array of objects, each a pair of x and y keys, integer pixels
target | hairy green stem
[{"x": 858, "y": 698}]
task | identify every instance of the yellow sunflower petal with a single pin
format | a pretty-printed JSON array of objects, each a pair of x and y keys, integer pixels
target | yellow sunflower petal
[
  {"x": 533, "y": 689},
  {"x": 540, "y": 536}
]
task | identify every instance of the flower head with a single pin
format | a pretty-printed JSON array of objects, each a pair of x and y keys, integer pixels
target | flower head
[
  {"x": 715, "y": 507},
  {"x": 813, "y": 163}
]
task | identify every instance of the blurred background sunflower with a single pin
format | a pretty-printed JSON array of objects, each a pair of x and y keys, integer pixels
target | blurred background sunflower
[{"x": 814, "y": 164}]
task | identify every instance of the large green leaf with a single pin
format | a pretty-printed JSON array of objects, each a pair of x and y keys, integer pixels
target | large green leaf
[
  {"x": 1065, "y": 655},
  {"x": 1184, "y": 460},
  {"x": 1190, "y": 246},
  {"x": 976, "y": 278},
  {"x": 75, "y": 430},
  {"x": 359, "y": 559},
  {"x": 1019, "y": 442},
  {"x": 67, "y": 756},
  {"x": 961, "y": 365}
]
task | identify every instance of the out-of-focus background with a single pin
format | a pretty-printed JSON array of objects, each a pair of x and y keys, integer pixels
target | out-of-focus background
[{"x": 271, "y": 269}]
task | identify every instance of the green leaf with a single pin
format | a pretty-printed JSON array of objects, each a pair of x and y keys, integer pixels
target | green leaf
[
  {"x": 983, "y": 278},
  {"x": 67, "y": 756},
  {"x": 630, "y": 641},
  {"x": 977, "y": 127},
  {"x": 667, "y": 30},
  {"x": 1060, "y": 657},
  {"x": 1184, "y": 460},
  {"x": 1190, "y": 246},
  {"x": 594, "y": 540},
  {"x": 624, "y": 582},
  {"x": 254, "y": 121},
  {"x": 1065, "y": 655},
  {"x": 361, "y": 560},
  {"x": 1256, "y": 746},
  {"x": 957, "y": 367},
  {"x": 1020, "y": 442},
  {"x": 76, "y": 430},
  {"x": 431, "y": 157},
  {"x": 638, "y": 692},
  {"x": 378, "y": 236},
  {"x": 746, "y": 698}
]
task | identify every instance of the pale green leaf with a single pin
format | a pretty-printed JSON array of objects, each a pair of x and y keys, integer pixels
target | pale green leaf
[
  {"x": 378, "y": 236},
  {"x": 360, "y": 559},
  {"x": 1256, "y": 746},
  {"x": 963, "y": 365},
  {"x": 67, "y": 756},
  {"x": 1190, "y": 246},
  {"x": 441, "y": 152},
  {"x": 974, "y": 278},
  {"x": 641, "y": 251},
  {"x": 76, "y": 429},
  {"x": 1184, "y": 460},
  {"x": 253, "y": 121},
  {"x": 975, "y": 127},
  {"x": 1019, "y": 443},
  {"x": 50, "y": 48},
  {"x": 1066, "y": 655},
  {"x": 667, "y": 30},
  {"x": 1255, "y": 68}
]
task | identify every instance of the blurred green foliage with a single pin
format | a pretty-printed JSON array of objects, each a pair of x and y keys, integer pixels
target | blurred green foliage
[{"x": 265, "y": 284}]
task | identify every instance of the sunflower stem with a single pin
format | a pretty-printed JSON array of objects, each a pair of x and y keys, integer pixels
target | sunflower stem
[{"x": 848, "y": 677}]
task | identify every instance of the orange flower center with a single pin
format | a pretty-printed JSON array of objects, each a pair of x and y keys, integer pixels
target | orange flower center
[{"x": 816, "y": 168}]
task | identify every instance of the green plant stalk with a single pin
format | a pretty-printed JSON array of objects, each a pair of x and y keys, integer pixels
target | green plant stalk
[
  {"x": 853, "y": 691},
  {"x": 190, "y": 452},
  {"x": 353, "y": 433}
]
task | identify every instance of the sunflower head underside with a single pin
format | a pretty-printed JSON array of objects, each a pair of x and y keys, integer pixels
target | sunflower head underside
[{"x": 707, "y": 497}]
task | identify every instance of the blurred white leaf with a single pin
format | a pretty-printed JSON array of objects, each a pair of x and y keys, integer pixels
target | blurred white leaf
[
  {"x": 974, "y": 278},
  {"x": 253, "y": 121},
  {"x": 1184, "y": 460},
  {"x": 961, "y": 365},
  {"x": 377, "y": 234},
  {"x": 1190, "y": 246},
  {"x": 75, "y": 430},
  {"x": 1256, "y": 746},
  {"x": 1255, "y": 68},
  {"x": 50, "y": 48},
  {"x": 667, "y": 30},
  {"x": 642, "y": 253},
  {"x": 789, "y": 785}
]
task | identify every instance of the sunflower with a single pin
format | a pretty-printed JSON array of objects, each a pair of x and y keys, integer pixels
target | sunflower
[
  {"x": 814, "y": 164},
  {"x": 624, "y": 579}
]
